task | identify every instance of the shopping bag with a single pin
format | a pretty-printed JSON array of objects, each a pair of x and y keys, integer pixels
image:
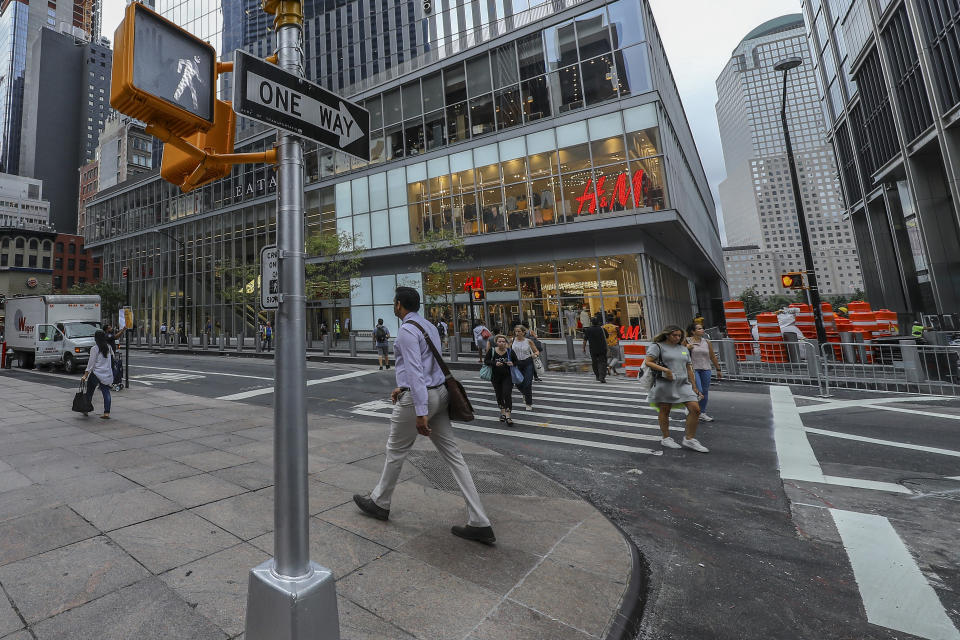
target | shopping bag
[
  {"x": 486, "y": 372},
  {"x": 80, "y": 402},
  {"x": 538, "y": 366}
]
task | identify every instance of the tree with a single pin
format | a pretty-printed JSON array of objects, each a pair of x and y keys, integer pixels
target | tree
[
  {"x": 753, "y": 302},
  {"x": 341, "y": 256},
  {"x": 434, "y": 253},
  {"x": 112, "y": 297}
]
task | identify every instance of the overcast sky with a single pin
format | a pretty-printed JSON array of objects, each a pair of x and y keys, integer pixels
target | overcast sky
[{"x": 699, "y": 36}]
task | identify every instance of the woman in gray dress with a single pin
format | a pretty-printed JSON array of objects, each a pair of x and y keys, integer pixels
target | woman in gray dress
[{"x": 674, "y": 386}]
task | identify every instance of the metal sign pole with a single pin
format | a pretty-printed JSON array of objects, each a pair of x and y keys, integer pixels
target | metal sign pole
[{"x": 289, "y": 597}]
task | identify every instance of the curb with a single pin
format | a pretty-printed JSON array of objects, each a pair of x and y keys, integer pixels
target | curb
[{"x": 626, "y": 621}]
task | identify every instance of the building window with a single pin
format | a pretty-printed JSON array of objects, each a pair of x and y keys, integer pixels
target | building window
[{"x": 57, "y": 282}]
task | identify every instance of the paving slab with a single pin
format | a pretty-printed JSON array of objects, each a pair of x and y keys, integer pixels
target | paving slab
[
  {"x": 114, "y": 506},
  {"x": 172, "y": 541},
  {"x": 148, "y": 610},
  {"x": 53, "y": 582}
]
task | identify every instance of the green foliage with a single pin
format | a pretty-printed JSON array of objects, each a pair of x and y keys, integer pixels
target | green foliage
[
  {"x": 753, "y": 302},
  {"x": 237, "y": 281},
  {"x": 331, "y": 278},
  {"x": 433, "y": 255},
  {"x": 112, "y": 297}
]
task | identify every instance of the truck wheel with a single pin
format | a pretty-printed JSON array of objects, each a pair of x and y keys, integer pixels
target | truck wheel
[{"x": 69, "y": 364}]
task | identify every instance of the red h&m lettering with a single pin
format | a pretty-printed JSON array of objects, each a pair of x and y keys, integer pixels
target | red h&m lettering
[
  {"x": 621, "y": 192},
  {"x": 630, "y": 333}
]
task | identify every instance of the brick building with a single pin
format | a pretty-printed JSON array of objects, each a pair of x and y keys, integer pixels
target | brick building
[{"x": 72, "y": 264}]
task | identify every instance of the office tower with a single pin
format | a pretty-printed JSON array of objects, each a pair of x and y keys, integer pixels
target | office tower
[
  {"x": 889, "y": 78},
  {"x": 760, "y": 216},
  {"x": 549, "y": 136}
]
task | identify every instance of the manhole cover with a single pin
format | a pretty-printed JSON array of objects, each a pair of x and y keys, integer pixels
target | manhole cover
[{"x": 491, "y": 474}]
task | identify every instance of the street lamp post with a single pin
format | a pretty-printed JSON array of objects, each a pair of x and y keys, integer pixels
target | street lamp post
[
  {"x": 785, "y": 66},
  {"x": 182, "y": 302}
]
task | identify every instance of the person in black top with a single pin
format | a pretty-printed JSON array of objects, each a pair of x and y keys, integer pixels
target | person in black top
[
  {"x": 500, "y": 358},
  {"x": 596, "y": 337}
]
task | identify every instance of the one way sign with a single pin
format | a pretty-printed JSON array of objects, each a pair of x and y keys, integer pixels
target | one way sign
[{"x": 267, "y": 93}]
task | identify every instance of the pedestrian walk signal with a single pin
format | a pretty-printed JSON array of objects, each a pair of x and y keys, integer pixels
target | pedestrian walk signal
[
  {"x": 162, "y": 74},
  {"x": 478, "y": 294},
  {"x": 792, "y": 280}
]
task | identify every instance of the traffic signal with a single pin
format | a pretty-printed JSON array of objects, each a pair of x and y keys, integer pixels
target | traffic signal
[
  {"x": 189, "y": 169},
  {"x": 478, "y": 294},
  {"x": 162, "y": 74},
  {"x": 792, "y": 280}
]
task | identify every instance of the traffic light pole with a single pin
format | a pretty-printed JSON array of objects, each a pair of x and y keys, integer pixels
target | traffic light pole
[
  {"x": 813, "y": 290},
  {"x": 290, "y": 597}
]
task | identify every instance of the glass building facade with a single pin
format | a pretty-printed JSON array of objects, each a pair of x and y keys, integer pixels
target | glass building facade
[
  {"x": 556, "y": 148},
  {"x": 13, "y": 60},
  {"x": 889, "y": 83}
]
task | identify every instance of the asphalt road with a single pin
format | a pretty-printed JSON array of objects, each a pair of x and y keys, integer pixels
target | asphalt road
[{"x": 773, "y": 534}]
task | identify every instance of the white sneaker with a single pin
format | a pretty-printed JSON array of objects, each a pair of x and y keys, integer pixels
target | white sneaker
[
  {"x": 669, "y": 443},
  {"x": 705, "y": 418},
  {"x": 529, "y": 407},
  {"x": 693, "y": 443}
]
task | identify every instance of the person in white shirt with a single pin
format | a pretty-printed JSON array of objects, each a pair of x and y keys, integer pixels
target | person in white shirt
[
  {"x": 420, "y": 406},
  {"x": 524, "y": 350},
  {"x": 482, "y": 343},
  {"x": 99, "y": 372}
]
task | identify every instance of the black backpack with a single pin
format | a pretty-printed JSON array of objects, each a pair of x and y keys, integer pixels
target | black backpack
[
  {"x": 442, "y": 328},
  {"x": 380, "y": 333}
]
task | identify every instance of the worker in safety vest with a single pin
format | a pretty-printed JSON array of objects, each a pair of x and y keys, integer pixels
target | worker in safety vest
[{"x": 918, "y": 329}]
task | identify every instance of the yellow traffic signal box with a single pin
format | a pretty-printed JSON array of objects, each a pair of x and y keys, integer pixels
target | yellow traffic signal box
[
  {"x": 792, "y": 280},
  {"x": 191, "y": 169},
  {"x": 162, "y": 74},
  {"x": 478, "y": 294}
]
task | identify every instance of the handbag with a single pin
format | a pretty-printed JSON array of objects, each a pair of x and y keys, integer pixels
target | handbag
[
  {"x": 486, "y": 372},
  {"x": 458, "y": 404},
  {"x": 516, "y": 375},
  {"x": 538, "y": 365},
  {"x": 80, "y": 402},
  {"x": 485, "y": 334},
  {"x": 649, "y": 377}
]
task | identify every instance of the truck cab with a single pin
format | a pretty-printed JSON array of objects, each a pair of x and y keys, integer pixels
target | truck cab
[{"x": 65, "y": 343}]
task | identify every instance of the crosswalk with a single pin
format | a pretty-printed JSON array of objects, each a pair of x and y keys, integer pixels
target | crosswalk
[{"x": 567, "y": 410}]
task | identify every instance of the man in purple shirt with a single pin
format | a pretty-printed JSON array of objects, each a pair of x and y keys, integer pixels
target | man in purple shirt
[{"x": 420, "y": 406}]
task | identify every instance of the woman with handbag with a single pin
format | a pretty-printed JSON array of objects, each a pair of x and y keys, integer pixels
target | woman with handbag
[
  {"x": 524, "y": 352},
  {"x": 100, "y": 371},
  {"x": 702, "y": 354},
  {"x": 501, "y": 364},
  {"x": 674, "y": 386},
  {"x": 481, "y": 337},
  {"x": 537, "y": 363}
]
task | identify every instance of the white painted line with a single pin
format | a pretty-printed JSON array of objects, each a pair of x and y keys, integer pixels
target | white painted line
[
  {"x": 932, "y": 414},
  {"x": 831, "y": 405},
  {"x": 886, "y": 443},
  {"x": 797, "y": 460},
  {"x": 578, "y": 398},
  {"x": 859, "y": 483},
  {"x": 895, "y": 593},
  {"x": 209, "y": 373},
  {"x": 593, "y": 412},
  {"x": 267, "y": 390},
  {"x": 954, "y": 478},
  {"x": 534, "y": 436}
]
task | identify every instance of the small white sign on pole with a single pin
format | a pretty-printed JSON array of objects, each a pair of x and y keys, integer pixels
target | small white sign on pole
[{"x": 270, "y": 277}]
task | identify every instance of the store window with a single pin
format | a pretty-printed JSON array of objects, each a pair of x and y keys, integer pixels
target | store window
[
  {"x": 561, "y": 45},
  {"x": 504, "y": 65},
  {"x": 535, "y": 99},
  {"x": 509, "y": 111},
  {"x": 593, "y": 38},
  {"x": 478, "y": 76},
  {"x": 626, "y": 23},
  {"x": 530, "y": 54},
  {"x": 633, "y": 71},
  {"x": 481, "y": 115},
  {"x": 566, "y": 86}
]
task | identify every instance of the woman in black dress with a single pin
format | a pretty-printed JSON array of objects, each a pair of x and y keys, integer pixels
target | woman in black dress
[{"x": 500, "y": 358}]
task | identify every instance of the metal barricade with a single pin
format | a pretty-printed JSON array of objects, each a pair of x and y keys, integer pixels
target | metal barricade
[
  {"x": 896, "y": 365},
  {"x": 743, "y": 360}
]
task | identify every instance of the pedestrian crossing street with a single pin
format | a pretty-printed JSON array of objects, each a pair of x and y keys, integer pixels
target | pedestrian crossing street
[{"x": 567, "y": 409}]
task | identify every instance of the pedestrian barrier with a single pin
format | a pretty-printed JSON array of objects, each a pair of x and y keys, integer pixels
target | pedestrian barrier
[
  {"x": 894, "y": 365},
  {"x": 634, "y": 352}
]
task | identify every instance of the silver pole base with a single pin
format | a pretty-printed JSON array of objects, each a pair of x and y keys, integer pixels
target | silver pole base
[{"x": 281, "y": 608}]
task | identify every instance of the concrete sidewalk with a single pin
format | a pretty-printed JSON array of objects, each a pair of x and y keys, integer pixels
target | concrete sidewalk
[{"x": 146, "y": 525}]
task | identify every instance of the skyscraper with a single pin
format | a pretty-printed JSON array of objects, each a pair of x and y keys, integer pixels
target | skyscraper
[
  {"x": 760, "y": 215},
  {"x": 889, "y": 78}
]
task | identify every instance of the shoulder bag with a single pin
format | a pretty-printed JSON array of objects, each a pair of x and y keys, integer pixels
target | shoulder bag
[
  {"x": 459, "y": 407},
  {"x": 649, "y": 377},
  {"x": 80, "y": 402}
]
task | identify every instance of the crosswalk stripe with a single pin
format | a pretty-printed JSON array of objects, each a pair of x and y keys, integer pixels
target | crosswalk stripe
[
  {"x": 559, "y": 397},
  {"x": 596, "y": 444},
  {"x": 621, "y": 423}
]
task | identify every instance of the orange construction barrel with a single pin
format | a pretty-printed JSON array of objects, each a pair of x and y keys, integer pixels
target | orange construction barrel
[{"x": 770, "y": 337}]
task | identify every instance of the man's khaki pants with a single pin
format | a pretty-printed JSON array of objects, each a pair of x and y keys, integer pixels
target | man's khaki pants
[{"x": 403, "y": 433}]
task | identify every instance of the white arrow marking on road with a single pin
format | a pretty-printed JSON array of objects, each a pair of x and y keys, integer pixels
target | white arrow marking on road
[{"x": 282, "y": 99}]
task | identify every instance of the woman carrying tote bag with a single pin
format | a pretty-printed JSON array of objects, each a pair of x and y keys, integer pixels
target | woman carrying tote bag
[{"x": 503, "y": 367}]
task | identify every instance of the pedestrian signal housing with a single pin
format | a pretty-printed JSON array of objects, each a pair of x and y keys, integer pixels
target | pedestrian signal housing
[
  {"x": 187, "y": 167},
  {"x": 478, "y": 294},
  {"x": 162, "y": 74},
  {"x": 792, "y": 280}
]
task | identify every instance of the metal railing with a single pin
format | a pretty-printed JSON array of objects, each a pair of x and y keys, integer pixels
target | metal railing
[{"x": 894, "y": 365}]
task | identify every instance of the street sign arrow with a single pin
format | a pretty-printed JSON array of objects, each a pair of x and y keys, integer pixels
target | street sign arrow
[{"x": 265, "y": 92}]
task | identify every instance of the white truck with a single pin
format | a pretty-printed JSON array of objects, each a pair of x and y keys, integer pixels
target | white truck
[{"x": 52, "y": 330}]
